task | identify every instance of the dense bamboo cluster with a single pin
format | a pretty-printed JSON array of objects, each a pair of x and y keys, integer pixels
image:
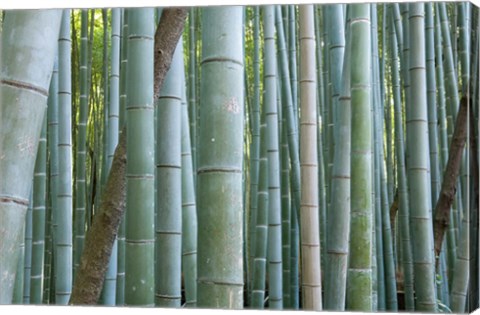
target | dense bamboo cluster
[{"x": 315, "y": 157}]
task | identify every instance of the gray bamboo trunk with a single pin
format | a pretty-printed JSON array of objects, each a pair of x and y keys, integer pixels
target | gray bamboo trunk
[{"x": 28, "y": 47}]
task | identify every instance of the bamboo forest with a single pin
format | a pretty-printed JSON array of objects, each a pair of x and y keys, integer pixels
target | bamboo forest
[{"x": 281, "y": 157}]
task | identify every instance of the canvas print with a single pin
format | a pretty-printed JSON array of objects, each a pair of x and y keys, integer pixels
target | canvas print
[{"x": 280, "y": 157}]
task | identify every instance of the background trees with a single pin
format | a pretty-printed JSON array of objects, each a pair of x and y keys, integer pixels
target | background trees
[{"x": 246, "y": 146}]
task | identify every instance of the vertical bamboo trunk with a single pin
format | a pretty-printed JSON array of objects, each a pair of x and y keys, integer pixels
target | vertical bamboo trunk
[
  {"x": 403, "y": 215},
  {"x": 461, "y": 276},
  {"x": 418, "y": 166},
  {"x": 48, "y": 265},
  {"x": 255, "y": 145},
  {"x": 284, "y": 155},
  {"x": 27, "y": 265},
  {"x": 28, "y": 47},
  {"x": 292, "y": 45},
  {"x": 274, "y": 247},
  {"x": 189, "y": 212},
  {"x": 139, "y": 243},
  {"x": 359, "y": 276},
  {"x": 294, "y": 258},
  {"x": 432, "y": 110},
  {"x": 192, "y": 86},
  {"x": 112, "y": 135},
  {"x": 38, "y": 242},
  {"x": 114, "y": 99},
  {"x": 63, "y": 262},
  {"x": 389, "y": 280},
  {"x": 261, "y": 223},
  {"x": 336, "y": 48},
  {"x": 339, "y": 216},
  {"x": 120, "y": 290},
  {"x": 321, "y": 148},
  {"x": 103, "y": 134},
  {"x": 286, "y": 215},
  {"x": 168, "y": 230},
  {"x": 80, "y": 183},
  {"x": 52, "y": 142},
  {"x": 442, "y": 117},
  {"x": 219, "y": 173},
  {"x": 379, "y": 262},
  {"x": 310, "y": 233},
  {"x": 288, "y": 110},
  {"x": 18, "y": 285}
]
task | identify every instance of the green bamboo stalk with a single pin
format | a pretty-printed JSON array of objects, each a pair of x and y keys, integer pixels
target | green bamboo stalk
[
  {"x": 114, "y": 92},
  {"x": 274, "y": 247},
  {"x": 418, "y": 165},
  {"x": 285, "y": 20},
  {"x": 379, "y": 261},
  {"x": 189, "y": 212},
  {"x": 106, "y": 105},
  {"x": 120, "y": 290},
  {"x": 80, "y": 171},
  {"x": 359, "y": 276},
  {"x": 327, "y": 122},
  {"x": 390, "y": 294},
  {"x": 63, "y": 263},
  {"x": 261, "y": 223},
  {"x": 38, "y": 232},
  {"x": 168, "y": 229},
  {"x": 112, "y": 136},
  {"x": 389, "y": 259},
  {"x": 18, "y": 284},
  {"x": 192, "y": 87},
  {"x": 336, "y": 48},
  {"x": 431, "y": 100},
  {"x": 320, "y": 149},
  {"x": 47, "y": 266},
  {"x": 452, "y": 97},
  {"x": 310, "y": 233},
  {"x": 379, "y": 284},
  {"x": 219, "y": 173},
  {"x": 286, "y": 214},
  {"x": 294, "y": 258},
  {"x": 403, "y": 214},
  {"x": 292, "y": 48},
  {"x": 255, "y": 144},
  {"x": 284, "y": 155},
  {"x": 139, "y": 243},
  {"x": 386, "y": 90},
  {"x": 339, "y": 217},
  {"x": 27, "y": 265},
  {"x": 461, "y": 276},
  {"x": 288, "y": 110},
  {"x": 28, "y": 60},
  {"x": 464, "y": 44},
  {"x": 387, "y": 248},
  {"x": 444, "y": 293},
  {"x": 52, "y": 142},
  {"x": 451, "y": 247}
]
